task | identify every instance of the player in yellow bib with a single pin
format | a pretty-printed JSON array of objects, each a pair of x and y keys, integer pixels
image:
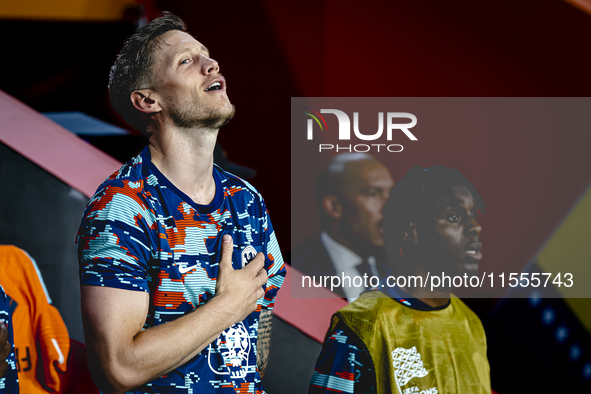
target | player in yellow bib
[{"x": 403, "y": 339}]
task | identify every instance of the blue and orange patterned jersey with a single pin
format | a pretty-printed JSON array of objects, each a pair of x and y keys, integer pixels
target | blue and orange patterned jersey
[
  {"x": 139, "y": 232},
  {"x": 344, "y": 365},
  {"x": 8, "y": 382}
]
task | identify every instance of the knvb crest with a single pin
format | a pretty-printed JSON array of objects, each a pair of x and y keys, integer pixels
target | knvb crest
[{"x": 248, "y": 253}]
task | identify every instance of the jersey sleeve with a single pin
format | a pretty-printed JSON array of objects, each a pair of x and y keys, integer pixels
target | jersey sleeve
[
  {"x": 113, "y": 243},
  {"x": 273, "y": 264},
  {"x": 54, "y": 347},
  {"x": 8, "y": 382},
  {"x": 344, "y": 364}
]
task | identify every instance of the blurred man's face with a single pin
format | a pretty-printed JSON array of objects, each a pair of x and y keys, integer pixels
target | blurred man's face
[
  {"x": 450, "y": 242},
  {"x": 365, "y": 188},
  {"x": 192, "y": 90}
]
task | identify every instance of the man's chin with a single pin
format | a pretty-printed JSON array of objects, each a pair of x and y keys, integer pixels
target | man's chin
[
  {"x": 378, "y": 244},
  {"x": 229, "y": 114},
  {"x": 471, "y": 268},
  {"x": 221, "y": 119}
]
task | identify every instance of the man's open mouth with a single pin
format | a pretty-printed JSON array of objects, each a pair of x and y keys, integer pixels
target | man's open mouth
[
  {"x": 474, "y": 250},
  {"x": 214, "y": 86}
]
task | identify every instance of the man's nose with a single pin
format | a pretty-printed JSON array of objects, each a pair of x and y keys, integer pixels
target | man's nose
[
  {"x": 209, "y": 65},
  {"x": 474, "y": 227}
]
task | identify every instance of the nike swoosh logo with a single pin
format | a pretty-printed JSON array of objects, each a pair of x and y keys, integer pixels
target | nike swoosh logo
[{"x": 184, "y": 270}]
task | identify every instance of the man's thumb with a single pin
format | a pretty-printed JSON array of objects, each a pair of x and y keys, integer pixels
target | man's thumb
[{"x": 227, "y": 246}]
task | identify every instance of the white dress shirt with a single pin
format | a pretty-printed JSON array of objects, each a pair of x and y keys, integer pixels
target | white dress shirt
[{"x": 345, "y": 263}]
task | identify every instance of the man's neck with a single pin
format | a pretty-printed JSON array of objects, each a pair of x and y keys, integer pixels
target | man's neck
[
  {"x": 433, "y": 298},
  {"x": 185, "y": 157},
  {"x": 364, "y": 253}
]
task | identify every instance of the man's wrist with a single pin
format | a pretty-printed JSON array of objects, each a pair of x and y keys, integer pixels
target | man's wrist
[{"x": 226, "y": 308}]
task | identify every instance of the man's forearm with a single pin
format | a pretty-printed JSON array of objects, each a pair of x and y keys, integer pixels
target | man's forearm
[
  {"x": 177, "y": 342},
  {"x": 151, "y": 353},
  {"x": 264, "y": 340}
]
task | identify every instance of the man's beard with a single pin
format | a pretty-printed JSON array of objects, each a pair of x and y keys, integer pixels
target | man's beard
[{"x": 191, "y": 115}]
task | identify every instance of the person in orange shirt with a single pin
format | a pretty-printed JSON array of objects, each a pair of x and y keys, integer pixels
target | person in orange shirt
[
  {"x": 39, "y": 331},
  {"x": 8, "y": 374}
]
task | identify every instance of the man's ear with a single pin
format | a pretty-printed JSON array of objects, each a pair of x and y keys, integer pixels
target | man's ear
[
  {"x": 145, "y": 101},
  {"x": 332, "y": 206},
  {"x": 410, "y": 234}
]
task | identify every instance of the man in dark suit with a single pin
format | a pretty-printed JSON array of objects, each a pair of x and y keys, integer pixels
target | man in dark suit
[{"x": 350, "y": 193}]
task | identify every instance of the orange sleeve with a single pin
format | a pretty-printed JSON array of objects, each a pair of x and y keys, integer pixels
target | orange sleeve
[{"x": 53, "y": 348}]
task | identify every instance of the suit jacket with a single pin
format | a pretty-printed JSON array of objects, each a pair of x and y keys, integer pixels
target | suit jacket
[{"x": 312, "y": 258}]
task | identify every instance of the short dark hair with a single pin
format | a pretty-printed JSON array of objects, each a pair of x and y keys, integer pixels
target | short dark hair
[
  {"x": 416, "y": 197},
  {"x": 133, "y": 66}
]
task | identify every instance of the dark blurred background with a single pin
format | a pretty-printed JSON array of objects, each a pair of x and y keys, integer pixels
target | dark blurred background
[{"x": 56, "y": 58}]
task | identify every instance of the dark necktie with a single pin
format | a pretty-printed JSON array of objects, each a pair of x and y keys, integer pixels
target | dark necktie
[{"x": 365, "y": 268}]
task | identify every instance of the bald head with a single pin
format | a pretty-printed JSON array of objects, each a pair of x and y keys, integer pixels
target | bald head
[
  {"x": 340, "y": 167},
  {"x": 342, "y": 170},
  {"x": 351, "y": 192}
]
